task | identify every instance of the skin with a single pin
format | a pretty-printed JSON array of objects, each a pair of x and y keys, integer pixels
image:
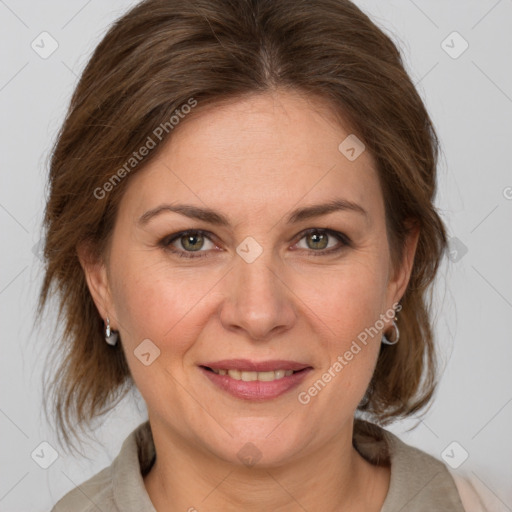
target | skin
[{"x": 254, "y": 160}]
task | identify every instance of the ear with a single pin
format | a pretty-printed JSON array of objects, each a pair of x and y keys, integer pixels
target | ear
[
  {"x": 401, "y": 275},
  {"x": 96, "y": 277}
]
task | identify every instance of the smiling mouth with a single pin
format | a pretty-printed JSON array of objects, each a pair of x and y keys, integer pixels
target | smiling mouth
[{"x": 248, "y": 376}]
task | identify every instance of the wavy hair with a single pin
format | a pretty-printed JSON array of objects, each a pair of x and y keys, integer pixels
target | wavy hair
[{"x": 150, "y": 63}]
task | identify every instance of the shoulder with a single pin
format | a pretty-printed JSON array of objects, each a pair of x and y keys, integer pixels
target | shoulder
[
  {"x": 421, "y": 480},
  {"x": 97, "y": 492},
  {"x": 118, "y": 487},
  {"x": 418, "y": 482},
  {"x": 477, "y": 496}
]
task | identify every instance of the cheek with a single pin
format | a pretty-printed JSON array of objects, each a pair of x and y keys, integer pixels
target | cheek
[
  {"x": 348, "y": 299},
  {"x": 348, "y": 303},
  {"x": 155, "y": 301}
]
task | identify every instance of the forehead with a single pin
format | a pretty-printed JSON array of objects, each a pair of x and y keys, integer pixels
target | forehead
[{"x": 239, "y": 156}]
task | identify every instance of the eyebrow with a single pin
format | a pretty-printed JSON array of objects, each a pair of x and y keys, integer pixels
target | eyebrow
[{"x": 218, "y": 219}]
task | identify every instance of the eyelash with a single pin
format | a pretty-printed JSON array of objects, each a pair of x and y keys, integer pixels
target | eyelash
[{"x": 169, "y": 239}]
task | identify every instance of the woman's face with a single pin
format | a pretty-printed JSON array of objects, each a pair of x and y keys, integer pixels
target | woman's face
[{"x": 250, "y": 282}]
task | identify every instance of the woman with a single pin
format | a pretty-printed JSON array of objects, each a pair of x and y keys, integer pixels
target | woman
[{"x": 241, "y": 225}]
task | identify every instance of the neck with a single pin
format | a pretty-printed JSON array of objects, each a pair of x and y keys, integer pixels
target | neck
[{"x": 334, "y": 477}]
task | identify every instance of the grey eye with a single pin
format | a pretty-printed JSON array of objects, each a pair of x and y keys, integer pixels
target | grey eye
[{"x": 318, "y": 240}]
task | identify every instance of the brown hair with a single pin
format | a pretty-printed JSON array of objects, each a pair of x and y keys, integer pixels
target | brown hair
[{"x": 154, "y": 60}]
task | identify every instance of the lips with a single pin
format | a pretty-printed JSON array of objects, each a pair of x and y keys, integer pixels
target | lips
[
  {"x": 256, "y": 381},
  {"x": 252, "y": 376},
  {"x": 246, "y": 365}
]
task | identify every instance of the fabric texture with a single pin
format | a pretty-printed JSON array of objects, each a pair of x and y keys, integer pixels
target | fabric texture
[
  {"x": 419, "y": 482},
  {"x": 476, "y": 496}
]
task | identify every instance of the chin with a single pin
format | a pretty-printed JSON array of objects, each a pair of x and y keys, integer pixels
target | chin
[{"x": 261, "y": 442}]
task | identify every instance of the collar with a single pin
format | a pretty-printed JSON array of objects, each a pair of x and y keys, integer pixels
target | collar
[{"x": 418, "y": 481}]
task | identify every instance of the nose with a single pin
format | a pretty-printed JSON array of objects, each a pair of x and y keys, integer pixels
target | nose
[{"x": 258, "y": 301}]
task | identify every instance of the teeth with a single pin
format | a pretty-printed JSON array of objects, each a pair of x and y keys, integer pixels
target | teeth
[
  {"x": 251, "y": 376},
  {"x": 235, "y": 374}
]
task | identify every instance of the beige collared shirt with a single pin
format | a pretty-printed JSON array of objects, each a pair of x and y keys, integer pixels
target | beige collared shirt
[{"x": 419, "y": 482}]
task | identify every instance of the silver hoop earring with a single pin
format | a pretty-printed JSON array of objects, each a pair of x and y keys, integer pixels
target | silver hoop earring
[
  {"x": 385, "y": 339},
  {"x": 110, "y": 335}
]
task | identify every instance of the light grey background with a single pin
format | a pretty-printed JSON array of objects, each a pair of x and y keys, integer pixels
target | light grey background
[{"x": 470, "y": 100}]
